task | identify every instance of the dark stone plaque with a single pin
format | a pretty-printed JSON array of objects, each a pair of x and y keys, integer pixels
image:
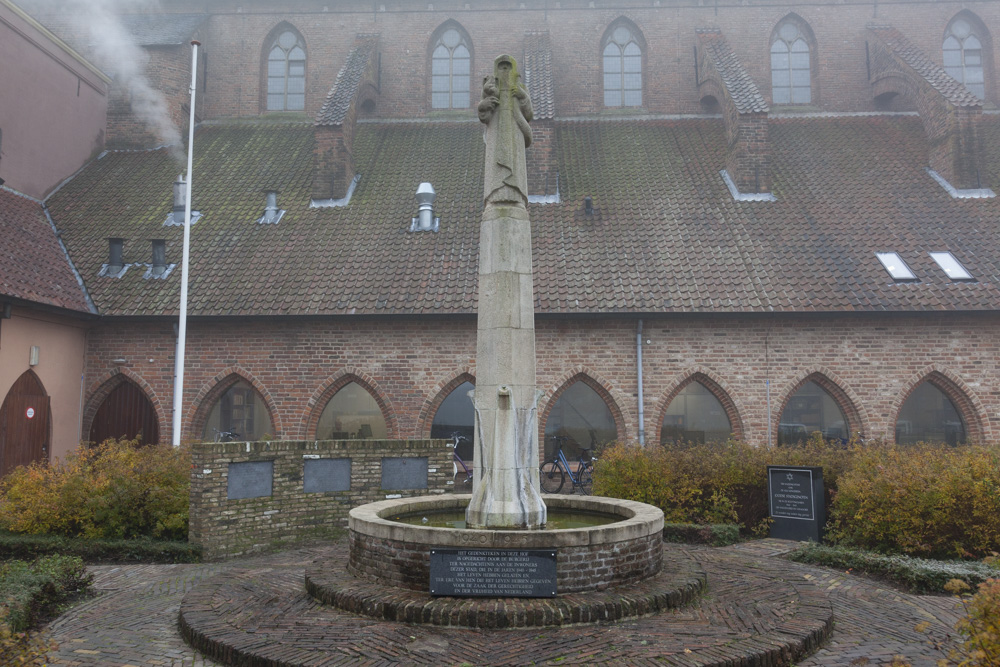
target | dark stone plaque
[
  {"x": 404, "y": 473},
  {"x": 796, "y": 501},
  {"x": 325, "y": 475},
  {"x": 494, "y": 573},
  {"x": 250, "y": 479}
]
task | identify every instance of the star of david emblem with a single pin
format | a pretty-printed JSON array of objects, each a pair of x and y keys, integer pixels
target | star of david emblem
[{"x": 789, "y": 476}]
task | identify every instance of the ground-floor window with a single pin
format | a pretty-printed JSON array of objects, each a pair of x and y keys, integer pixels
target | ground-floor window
[
  {"x": 456, "y": 414},
  {"x": 695, "y": 415},
  {"x": 582, "y": 416},
  {"x": 811, "y": 409},
  {"x": 126, "y": 413},
  {"x": 352, "y": 414},
  {"x": 928, "y": 415},
  {"x": 242, "y": 412}
]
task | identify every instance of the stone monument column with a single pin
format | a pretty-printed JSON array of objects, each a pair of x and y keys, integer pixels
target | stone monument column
[{"x": 506, "y": 491}]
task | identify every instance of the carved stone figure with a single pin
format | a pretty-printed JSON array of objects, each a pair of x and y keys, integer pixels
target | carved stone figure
[{"x": 506, "y": 111}]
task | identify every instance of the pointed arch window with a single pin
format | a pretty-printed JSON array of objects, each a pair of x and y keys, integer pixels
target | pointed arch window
[
  {"x": 810, "y": 410},
  {"x": 240, "y": 411},
  {"x": 622, "y": 69},
  {"x": 451, "y": 65},
  {"x": 457, "y": 414},
  {"x": 582, "y": 417},
  {"x": 963, "y": 56},
  {"x": 286, "y": 73},
  {"x": 695, "y": 415},
  {"x": 352, "y": 413},
  {"x": 791, "y": 71},
  {"x": 928, "y": 415}
]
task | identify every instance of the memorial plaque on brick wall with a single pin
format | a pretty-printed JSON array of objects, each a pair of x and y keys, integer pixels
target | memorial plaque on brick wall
[
  {"x": 405, "y": 472},
  {"x": 503, "y": 573},
  {"x": 796, "y": 500},
  {"x": 250, "y": 479},
  {"x": 326, "y": 475}
]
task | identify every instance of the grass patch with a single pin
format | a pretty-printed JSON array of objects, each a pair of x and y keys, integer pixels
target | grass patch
[
  {"x": 716, "y": 535},
  {"x": 917, "y": 575},
  {"x": 15, "y": 546}
]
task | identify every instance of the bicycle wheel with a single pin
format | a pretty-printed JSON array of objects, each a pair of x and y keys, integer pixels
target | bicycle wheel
[
  {"x": 551, "y": 477},
  {"x": 586, "y": 476}
]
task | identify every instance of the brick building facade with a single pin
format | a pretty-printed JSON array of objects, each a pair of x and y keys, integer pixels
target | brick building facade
[{"x": 712, "y": 182}]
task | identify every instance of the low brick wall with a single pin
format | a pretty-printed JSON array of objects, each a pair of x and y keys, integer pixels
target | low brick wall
[{"x": 226, "y": 526}]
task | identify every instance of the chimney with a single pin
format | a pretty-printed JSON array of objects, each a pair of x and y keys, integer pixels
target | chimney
[
  {"x": 115, "y": 264},
  {"x": 159, "y": 258},
  {"x": 180, "y": 195},
  {"x": 425, "y": 220}
]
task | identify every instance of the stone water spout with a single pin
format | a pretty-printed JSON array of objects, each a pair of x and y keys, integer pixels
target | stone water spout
[{"x": 506, "y": 491}]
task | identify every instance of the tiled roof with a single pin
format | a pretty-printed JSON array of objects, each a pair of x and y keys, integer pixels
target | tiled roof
[
  {"x": 33, "y": 266},
  {"x": 666, "y": 236},
  {"x": 902, "y": 48},
  {"x": 537, "y": 68},
  {"x": 339, "y": 99},
  {"x": 738, "y": 83}
]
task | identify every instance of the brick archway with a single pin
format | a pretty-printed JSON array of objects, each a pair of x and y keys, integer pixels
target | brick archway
[
  {"x": 714, "y": 384},
  {"x": 969, "y": 408},
  {"x": 102, "y": 388},
  {"x": 326, "y": 391},
  {"x": 828, "y": 382},
  {"x": 428, "y": 410},
  {"x": 604, "y": 389},
  {"x": 212, "y": 391}
]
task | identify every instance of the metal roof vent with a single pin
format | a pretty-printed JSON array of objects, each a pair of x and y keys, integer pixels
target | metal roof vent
[
  {"x": 272, "y": 214},
  {"x": 159, "y": 258},
  {"x": 176, "y": 217},
  {"x": 115, "y": 268},
  {"x": 588, "y": 205},
  {"x": 425, "y": 220}
]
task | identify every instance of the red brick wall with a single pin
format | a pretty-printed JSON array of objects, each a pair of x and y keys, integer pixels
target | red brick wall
[
  {"x": 869, "y": 362},
  {"x": 235, "y": 36}
]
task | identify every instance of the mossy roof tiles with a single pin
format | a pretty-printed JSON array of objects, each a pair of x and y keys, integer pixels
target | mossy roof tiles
[{"x": 665, "y": 235}]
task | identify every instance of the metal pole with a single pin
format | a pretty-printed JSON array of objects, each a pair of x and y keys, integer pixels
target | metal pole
[{"x": 182, "y": 324}]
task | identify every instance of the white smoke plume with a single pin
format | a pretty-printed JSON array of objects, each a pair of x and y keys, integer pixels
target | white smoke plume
[{"x": 117, "y": 52}]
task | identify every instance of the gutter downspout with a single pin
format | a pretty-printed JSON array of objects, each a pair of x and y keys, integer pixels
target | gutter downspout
[{"x": 638, "y": 360}]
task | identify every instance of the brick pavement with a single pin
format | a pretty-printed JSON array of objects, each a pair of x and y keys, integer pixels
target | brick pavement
[{"x": 133, "y": 620}]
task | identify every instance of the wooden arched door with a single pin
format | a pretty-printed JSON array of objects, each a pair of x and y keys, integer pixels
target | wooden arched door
[
  {"x": 126, "y": 413},
  {"x": 24, "y": 424}
]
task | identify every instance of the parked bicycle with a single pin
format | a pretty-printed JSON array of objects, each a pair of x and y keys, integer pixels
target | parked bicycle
[
  {"x": 226, "y": 436},
  {"x": 553, "y": 473},
  {"x": 463, "y": 472}
]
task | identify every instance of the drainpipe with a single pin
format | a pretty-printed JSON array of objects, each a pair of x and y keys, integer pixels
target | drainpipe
[{"x": 638, "y": 360}]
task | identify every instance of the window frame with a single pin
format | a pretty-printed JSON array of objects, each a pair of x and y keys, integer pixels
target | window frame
[
  {"x": 635, "y": 37},
  {"x": 806, "y": 36},
  {"x": 271, "y": 45},
  {"x": 977, "y": 32},
  {"x": 436, "y": 42}
]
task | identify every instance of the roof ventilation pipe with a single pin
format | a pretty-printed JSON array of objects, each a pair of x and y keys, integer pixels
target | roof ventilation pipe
[
  {"x": 588, "y": 205},
  {"x": 180, "y": 188},
  {"x": 271, "y": 208},
  {"x": 115, "y": 264},
  {"x": 425, "y": 220},
  {"x": 159, "y": 258}
]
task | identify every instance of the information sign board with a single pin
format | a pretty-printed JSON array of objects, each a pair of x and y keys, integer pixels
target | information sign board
[{"x": 502, "y": 573}]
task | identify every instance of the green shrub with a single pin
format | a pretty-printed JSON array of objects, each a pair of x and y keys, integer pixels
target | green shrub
[
  {"x": 981, "y": 627},
  {"x": 716, "y": 535},
  {"x": 142, "y": 550},
  {"x": 915, "y": 574},
  {"x": 932, "y": 501},
  {"x": 709, "y": 483},
  {"x": 114, "y": 490},
  {"x": 30, "y": 589}
]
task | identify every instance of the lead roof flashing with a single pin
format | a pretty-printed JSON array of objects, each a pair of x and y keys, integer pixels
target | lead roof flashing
[
  {"x": 744, "y": 196},
  {"x": 337, "y": 203},
  {"x": 956, "y": 193}
]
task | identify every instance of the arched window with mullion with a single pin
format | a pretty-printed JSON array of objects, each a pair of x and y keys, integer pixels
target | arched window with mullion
[
  {"x": 622, "y": 69},
  {"x": 451, "y": 63},
  {"x": 791, "y": 66},
  {"x": 963, "y": 56},
  {"x": 286, "y": 73}
]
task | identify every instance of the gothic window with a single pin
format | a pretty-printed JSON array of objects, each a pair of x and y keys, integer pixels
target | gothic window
[
  {"x": 791, "y": 74},
  {"x": 810, "y": 410},
  {"x": 241, "y": 411},
  {"x": 695, "y": 415},
  {"x": 450, "y": 68},
  {"x": 963, "y": 56},
  {"x": 352, "y": 413},
  {"x": 286, "y": 73},
  {"x": 622, "y": 69},
  {"x": 581, "y": 419},
  {"x": 928, "y": 415},
  {"x": 457, "y": 414}
]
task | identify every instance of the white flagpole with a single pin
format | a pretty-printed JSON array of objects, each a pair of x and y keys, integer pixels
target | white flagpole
[{"x": 182, "y": 325}]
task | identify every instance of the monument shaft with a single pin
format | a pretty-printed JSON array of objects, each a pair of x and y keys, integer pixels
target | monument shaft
[{"x": 506, "y": 491}]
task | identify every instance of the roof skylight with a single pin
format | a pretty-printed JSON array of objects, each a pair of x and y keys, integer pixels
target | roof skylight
[
  {"x": 895, "y": 265},
  {"x": 951, "y": 266}
]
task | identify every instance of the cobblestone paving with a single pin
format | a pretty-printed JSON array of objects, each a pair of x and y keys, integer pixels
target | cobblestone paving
[{"x": 133, "y": 620}]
